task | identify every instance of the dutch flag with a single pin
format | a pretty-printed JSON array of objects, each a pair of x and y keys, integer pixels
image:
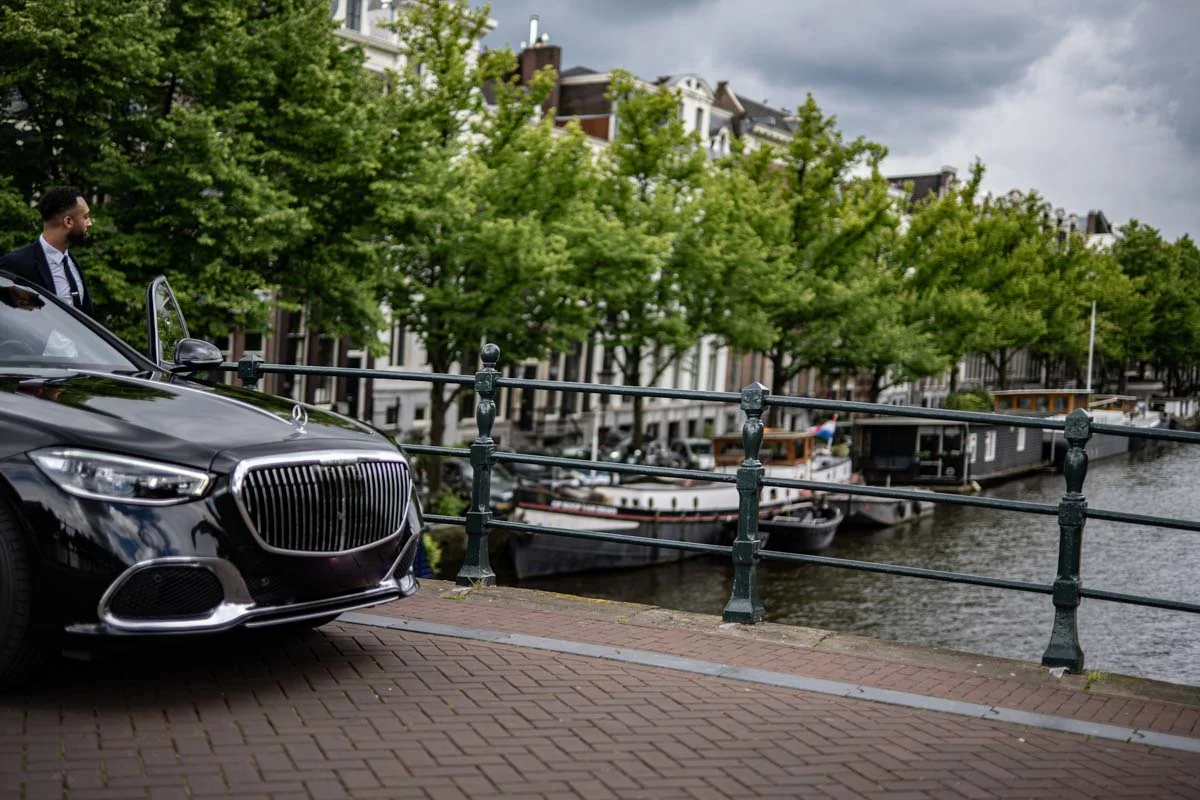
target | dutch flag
[{"x": 825, "y": 430}]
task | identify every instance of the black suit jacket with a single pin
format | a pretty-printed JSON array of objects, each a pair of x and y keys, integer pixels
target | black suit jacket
[{"x": 30, "y": 263}]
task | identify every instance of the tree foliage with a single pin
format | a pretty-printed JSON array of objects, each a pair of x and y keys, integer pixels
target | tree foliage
[
  {"x": 480, "y": 203},
  {"x": 223, "y": 143}
]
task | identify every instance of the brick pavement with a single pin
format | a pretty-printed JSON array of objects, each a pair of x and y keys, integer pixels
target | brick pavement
[
  {"x": 1149, "y": 705},
  {"x": 357, "y": 711}
]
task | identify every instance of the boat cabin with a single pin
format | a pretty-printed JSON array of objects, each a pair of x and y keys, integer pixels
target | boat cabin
[
  {"x": 1048, "y": 402},
  {"x": 1037, "y": 402},
  {"x": 779, "y": 448},
  {"x": 924, "y": 452}
]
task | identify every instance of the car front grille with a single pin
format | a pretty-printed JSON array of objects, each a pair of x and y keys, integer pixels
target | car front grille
[
  {"x": 167, "y": 592},
  {"x": 320, "y": 505}
]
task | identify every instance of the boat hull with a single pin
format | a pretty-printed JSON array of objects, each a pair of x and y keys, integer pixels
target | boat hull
[
  {"x": 701, "y": 512},
  {"x": 880, "y": 512},
  {"x": 1100, "y": 446},
  {"x": 541, "y": 554},
  {"x": 808, "y": 534}
]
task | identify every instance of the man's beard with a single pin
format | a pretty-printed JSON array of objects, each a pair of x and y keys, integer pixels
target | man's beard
[{"x": 76, "y": 236}]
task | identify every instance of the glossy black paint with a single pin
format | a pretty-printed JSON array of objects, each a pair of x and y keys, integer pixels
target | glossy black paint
[{"x": 81, "y": 546}]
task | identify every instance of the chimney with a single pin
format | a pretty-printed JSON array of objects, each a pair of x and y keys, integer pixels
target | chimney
[
  {"x": 949, "y": 178},
  {"x": 536, "y": 54}
]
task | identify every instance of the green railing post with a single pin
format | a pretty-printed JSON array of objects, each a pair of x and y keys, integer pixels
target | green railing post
[
  {"x": 248, "y": 370},
  {"x": 1064, "y": 649},
  {"x": 476, "y": 568},
  {"x": 744, "y": 605}
]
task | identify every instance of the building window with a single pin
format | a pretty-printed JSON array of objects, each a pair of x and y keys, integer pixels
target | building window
[
  {"x": 354, "y": 15},
  {"x": 1020, "y": 440},
  {"x": 419, "y": 413},
  {"x": 466, "y": 405},
  {"x": 989, "y": 446},
  {"x": 392, "y": 416},
  {"x": 700, "y": 120}
]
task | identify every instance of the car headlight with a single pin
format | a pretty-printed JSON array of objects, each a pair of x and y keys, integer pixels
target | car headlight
[{"x": 103, "y": 476}]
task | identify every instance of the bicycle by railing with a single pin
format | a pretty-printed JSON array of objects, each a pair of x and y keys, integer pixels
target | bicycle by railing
[{"x": 744, "y": 606}]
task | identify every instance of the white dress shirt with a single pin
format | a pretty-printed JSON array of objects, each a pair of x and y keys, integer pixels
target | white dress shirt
[{"x": 59, "y": 264}]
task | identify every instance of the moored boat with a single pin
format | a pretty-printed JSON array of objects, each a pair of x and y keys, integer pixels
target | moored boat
[
  {"x": 802, "y": 528},
  {"x": 1057, "y": 404},
  {"x": 669, "y": 509},
  {"x": 879, "y": 512}
]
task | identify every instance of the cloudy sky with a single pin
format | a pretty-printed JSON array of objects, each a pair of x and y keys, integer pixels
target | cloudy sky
[{"x": 1094, "y": 103}]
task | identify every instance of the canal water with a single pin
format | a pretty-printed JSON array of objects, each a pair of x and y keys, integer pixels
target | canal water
[{"x": 1119, "y": 638}]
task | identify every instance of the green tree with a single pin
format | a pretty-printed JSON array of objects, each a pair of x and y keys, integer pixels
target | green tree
[
  {"x": 224, "y": 143},
  {"x": 1166, "y": 275},
  {"x": 837, "y": 203},
  {"x": 480, "y": 205},
  {"x": 939, "y": 240},
  {"x": 645, "y": 286}
]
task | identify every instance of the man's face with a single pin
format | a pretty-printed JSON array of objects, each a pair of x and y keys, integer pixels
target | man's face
[{"x": 77, "y": 221}]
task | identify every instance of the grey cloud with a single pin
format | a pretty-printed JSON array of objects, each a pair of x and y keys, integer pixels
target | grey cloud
[{"x": 903, "y": 72}]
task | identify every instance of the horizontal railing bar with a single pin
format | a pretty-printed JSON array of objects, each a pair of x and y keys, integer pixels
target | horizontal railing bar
[
  {"x": 1138, "y": 600},
  {"x": 908, "y": 572},
  {"x": 612, "y": 466},
  {"x": 996, "y": 503},
  {"x": 838, "y": 563},
  {"x": 916, "y": 412},
  {"x": 913, "y": 494},
  {"x": 1130, "y": 432},
  {"x": 618, "y": 389},
  {"x": 782, "y": 401},
  {"x": 264, "y": 368},
  {"x": 445, "y": 520},
  {"x": 1143, "y": 519},
  {"x": 620, "y": 538},
  {"x": 430, "y": 450}
]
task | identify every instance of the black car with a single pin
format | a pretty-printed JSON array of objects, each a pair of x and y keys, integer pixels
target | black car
[{"x": 138, "y": 500}]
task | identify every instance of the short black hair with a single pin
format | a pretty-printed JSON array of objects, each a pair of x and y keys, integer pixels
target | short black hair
[{"x": 58, "y": 200}]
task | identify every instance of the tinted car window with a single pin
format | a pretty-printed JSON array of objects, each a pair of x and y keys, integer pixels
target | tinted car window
[{"x": 37, "y": 332}]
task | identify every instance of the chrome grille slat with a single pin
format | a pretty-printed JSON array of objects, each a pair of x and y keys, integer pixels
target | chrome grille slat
[{"x": 304, "y": 506}]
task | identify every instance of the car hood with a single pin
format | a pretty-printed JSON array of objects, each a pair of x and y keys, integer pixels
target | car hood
[{"x": 168, "y": 418}]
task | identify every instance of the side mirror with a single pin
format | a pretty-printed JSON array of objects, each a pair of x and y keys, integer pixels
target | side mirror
[
  {"x": 164, "y": 323},
  {"x": 195, "y": 355}
]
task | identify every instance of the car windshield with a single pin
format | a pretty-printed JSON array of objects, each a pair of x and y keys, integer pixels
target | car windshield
[{"x": 37, "y": 332}]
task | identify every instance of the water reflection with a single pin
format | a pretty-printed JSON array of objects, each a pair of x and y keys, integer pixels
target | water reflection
[{"x": 1120, "y": 558}]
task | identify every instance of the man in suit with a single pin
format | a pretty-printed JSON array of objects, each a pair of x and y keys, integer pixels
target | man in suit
[{"x": 66, "y": 219}]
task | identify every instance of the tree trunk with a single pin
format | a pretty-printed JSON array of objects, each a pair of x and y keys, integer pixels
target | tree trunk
[
  {"x": 1002, "y": 368},
  {"x": 633, "y": 377},
  {"x": 877, "y": 386},
  {"x": 954, "y": 377},
  {"x": 779, "y": 381},
  {"x": 438, "y": 405}
]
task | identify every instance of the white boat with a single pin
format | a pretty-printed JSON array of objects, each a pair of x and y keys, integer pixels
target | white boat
[{"x": 669, "y": 509}]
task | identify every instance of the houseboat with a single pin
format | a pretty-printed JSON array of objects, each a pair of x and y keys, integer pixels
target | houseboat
[
  {"x": 667, "y": 509},
  {"x": 795, "y": 455},
  {"x": 1057, "y": 404},
  {"x": 950, "y": 456}
]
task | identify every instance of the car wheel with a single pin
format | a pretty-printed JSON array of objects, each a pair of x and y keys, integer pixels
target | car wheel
[{"x": 20, "y": 652}]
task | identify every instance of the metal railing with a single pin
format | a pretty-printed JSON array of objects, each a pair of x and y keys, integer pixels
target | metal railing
[{"x": 744, "y": 606}]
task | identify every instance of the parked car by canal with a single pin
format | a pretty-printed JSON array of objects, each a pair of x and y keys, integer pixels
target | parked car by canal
[{"x": 138, "y": 501}]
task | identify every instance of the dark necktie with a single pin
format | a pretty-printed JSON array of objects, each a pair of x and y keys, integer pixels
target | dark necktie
[{"x": 76, "y": 294}]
